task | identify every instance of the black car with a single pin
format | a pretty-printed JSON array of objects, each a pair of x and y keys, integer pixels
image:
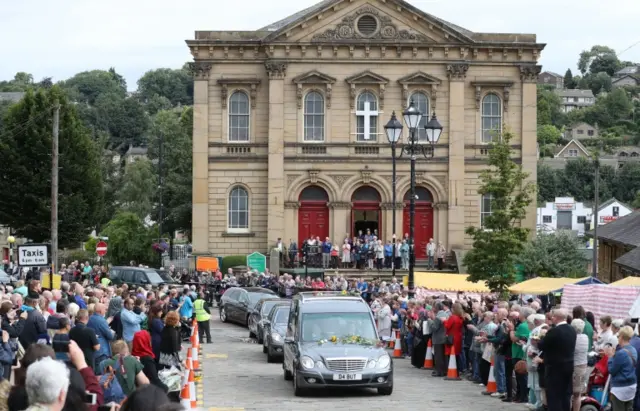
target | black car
[
  {"x": 259, "y": 313},
  {"x": 135, "y": 276},
  {"x": 331, "y": 341},
  {"x": 164, "y": 274},
  {"x": 237, "y": 302},
  {"x": 274, "y": 330}
]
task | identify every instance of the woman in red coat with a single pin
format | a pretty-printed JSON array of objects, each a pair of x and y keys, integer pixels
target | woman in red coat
[{"x": 453, "y": 326}]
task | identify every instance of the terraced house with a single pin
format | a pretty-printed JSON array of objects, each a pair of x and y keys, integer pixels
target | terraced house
[{"x": 288, "y": 136}]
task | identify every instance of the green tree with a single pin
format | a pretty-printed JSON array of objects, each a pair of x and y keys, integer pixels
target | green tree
[
  {"x": 628, "y": 182},
  {"x": 549, "y": 107},
  {"x": 138, "y": 190},
  {"x": 176, "y": 128},
  {"x": 636, "y": 200},
  {"x": 599, "y": 82},
  {"x": 124, "y": 118},
  {"x": 25, "y": 170},
  {"x": 496, "y": 245},
  {"x": 21, "y": 82},
  {"x": 568, "y": 80},
  {"x": 599, "y": 59},
  {"x": 548, "y": 134},
  {"x": 110, "y": 169},
  {"x": 548, "y": 183},
  {"x": 577, "y": 180},
  {"x": 556, "y": 254},
  {"x": 174, "y": 85},
  {"x": 129, "y": 239},
  {"x": 87, "y": 86}
]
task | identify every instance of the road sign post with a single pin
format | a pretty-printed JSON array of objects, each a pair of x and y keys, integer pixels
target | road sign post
[{"x": 101, "y": 248}]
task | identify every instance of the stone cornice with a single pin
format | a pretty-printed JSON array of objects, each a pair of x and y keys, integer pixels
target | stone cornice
[
  {"x": 201, "y": 70},
  {"x": 292, "y": 205},
  {"x": 342, "y": 205},
  {"x": 276, "y": 69},
  {"x": 389, "y": 206}
]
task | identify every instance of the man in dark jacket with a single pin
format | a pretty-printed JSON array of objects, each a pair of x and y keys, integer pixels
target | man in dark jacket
[
  {"x": 558, "y": 346},
  {"x": 34, "y": 327}
]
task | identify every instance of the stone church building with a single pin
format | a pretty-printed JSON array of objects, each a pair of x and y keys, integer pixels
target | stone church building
[{"x": 288, "y": 137}]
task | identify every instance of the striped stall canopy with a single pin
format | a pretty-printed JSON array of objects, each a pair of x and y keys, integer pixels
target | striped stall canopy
[{"x": 601, "y": 299}]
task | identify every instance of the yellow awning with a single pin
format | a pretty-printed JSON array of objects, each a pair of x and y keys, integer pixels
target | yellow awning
[
  {"x": 449, "y": 282},
  {"x": 542, "y": 285},
  {"x": 628, "y": 281}
]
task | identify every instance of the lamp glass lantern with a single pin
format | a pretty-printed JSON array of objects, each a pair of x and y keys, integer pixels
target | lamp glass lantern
[
  {"x": 412, "y": 116},
  {"x": 433, "y": 129},
  {"x": 393, "y": 129},
  {"x": 11, "y": 239}
]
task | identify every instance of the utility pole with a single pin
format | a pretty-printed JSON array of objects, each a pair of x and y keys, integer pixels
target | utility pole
[
  {"x": 161, "y": 208},
  {"x": 596, "y": 205},
  {"x": 54, "y": 191}
]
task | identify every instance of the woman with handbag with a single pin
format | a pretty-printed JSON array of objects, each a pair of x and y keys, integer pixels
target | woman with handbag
[
  {"x": 419, "y": 351},
  {"x": 171, "y": 342},
  {"x": 453, "y": 326}
]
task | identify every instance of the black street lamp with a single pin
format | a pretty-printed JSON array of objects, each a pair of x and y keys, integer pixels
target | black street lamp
[
  {"x": 394, "y": 131},
  {"x": 412, "y": 148}
]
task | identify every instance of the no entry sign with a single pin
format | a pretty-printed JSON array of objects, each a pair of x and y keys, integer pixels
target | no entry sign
[{"x": 101, "y": 248}]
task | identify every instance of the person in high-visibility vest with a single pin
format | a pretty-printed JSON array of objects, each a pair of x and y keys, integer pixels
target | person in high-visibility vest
[
  {"x": 203, "y": 314},
  {"x": 105, "y": 280}
]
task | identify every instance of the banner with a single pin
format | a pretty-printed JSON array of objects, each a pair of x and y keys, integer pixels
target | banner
[{"x": 600, "y": 299}]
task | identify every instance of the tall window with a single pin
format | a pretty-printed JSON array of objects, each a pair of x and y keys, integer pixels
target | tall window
[
  {"x": 313, "y": 117},
  {"x": 421, "y": 102},
  {"x": 485, "y": 207},
  {"x": 367, "y": 117},
  {"x": 239, "y": 116},
  {"x": 491, "y": 117},
  {"x": 238, "y": 210}
]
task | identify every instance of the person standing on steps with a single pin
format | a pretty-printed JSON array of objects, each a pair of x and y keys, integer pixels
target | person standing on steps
[
  {"x": 431, "y": 253},
  {"x": 203, "y": 315}
]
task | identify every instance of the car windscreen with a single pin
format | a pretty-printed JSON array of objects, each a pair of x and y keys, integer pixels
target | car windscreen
[
  {"x": 165, "y": 276},
  {"x": 267, "y": 306},
  {"x": 154, "y": 277},
  {"x": 281, "y": 316},
  {"x": 325, "y": 326},
  {"x": 255, "y": 297}
]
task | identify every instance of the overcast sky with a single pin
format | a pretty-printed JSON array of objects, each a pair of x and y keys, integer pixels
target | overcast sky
[{"x": 60, "y": 38}]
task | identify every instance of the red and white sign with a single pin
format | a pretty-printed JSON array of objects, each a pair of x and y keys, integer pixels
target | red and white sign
[
  {"x": 565, "y": 206},
  {"x": 607, "y": 218},
  {"x": 101, "y": 248}
]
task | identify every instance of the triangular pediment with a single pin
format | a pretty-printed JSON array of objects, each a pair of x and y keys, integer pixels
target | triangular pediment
[
  {"x": 390, "y": 21},
  {"x": 314, "y": 77},
  {"x": 367, "y": 77},
  {"x": 418, "y": 78}
]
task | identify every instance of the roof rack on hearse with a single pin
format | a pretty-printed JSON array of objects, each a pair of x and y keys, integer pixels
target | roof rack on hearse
[{"x": 305, "y": 295}]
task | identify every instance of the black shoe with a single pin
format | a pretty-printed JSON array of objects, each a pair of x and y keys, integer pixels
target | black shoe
[{"x": 507, "y": 399}]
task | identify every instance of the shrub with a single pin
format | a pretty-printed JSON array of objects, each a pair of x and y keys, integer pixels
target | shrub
[{"x": 231, "y": 261}]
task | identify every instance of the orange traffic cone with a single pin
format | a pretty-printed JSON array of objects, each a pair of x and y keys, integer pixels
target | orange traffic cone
[
  {"x": 452, "y": 372},
  {"x": 189, "y": 360},
  {"x": 187, "y": 389},
  {"x": 397, "y": 347},
  {"x": 428, "y": 359},
  {"x": 195, "y": 361},
  {"x": 491, "y": 382},
  {"x": 392, "y": 343},
  {"x": 192, "y": 391}
]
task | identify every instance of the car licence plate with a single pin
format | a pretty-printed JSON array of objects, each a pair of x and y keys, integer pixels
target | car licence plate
[{"x": 347, "y": 377}]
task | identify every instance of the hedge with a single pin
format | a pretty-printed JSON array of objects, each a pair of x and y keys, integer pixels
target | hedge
[{"x": 231, "y": 261}]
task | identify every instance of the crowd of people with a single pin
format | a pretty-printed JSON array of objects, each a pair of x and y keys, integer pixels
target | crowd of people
[{"x": 93, "y": 346}]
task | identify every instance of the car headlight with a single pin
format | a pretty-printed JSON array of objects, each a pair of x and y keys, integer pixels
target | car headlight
[
  {"x": 384, "y": 361},
  {"x": 319, "y": 364},
  {"x": 276, "y": 337},
  {"x": 371, "y": 364},
  {"x": 306, "y": 362}
]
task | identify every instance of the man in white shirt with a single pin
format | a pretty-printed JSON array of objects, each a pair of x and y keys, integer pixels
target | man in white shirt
[{"x": 431, "y": 253}]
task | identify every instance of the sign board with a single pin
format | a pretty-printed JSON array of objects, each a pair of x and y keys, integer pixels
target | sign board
[
  {"x": 33, "y": 255},
  {"x": 607, "y": 218},
  {"x": 101, "y": 248},
  {"x": 207, "y": 264},
  {"x": 45, "y": 281},
  {"x": 564, "y": 206},
  {"x": 257, "y": 261}
]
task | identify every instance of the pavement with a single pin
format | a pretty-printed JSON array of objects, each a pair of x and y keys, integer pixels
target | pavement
[{"x": 237, "y": 377}]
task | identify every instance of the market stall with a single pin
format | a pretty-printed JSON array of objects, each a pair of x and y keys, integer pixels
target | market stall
[
  {"x": 546, "y": 285},
  {"x": 435, "y": 283},
  {"x": 601, "y": 299}
]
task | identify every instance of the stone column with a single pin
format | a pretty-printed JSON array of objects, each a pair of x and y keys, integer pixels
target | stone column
[
  {"x": 275, "y": 187},
  {"x": 340, "y": 220},
  {"x": 200, "y": 196},
  {"x": 291, "y": 216},
  {"x": 529, "y": 75},
  {"x": 457, "y": 74}
]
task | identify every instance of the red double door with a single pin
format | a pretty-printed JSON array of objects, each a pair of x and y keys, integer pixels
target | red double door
[
  {"x": 313, "y": 220},
  {"x": 423, "y": 226}
]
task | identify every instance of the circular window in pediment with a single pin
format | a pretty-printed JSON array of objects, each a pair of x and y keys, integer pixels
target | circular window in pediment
[{"x": 367, "y": 25}]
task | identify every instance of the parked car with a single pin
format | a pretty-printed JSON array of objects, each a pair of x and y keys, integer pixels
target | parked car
[
  {"x": 259, "y": 314},
  {"x": 274, "y": 330},
  {"x": 237, "y": 302},
  {"x": 135, "y": 276},
  {"x": 164, "y": 274},
  {"x": 331, "y": 341}
]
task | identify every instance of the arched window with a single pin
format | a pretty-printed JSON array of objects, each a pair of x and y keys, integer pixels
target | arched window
[
  {"x": 421, "y": 102},
  {"x": 422, "y": 193},
  {"x": 634, "y": 154},
  {"x": 366, "y": 193},
  {"x": 491, "y": 117},
  {"x": 485, "y": 207},
  {"x": 239, "y": 116},
  {"x": 313, "y": 117},
  {"x": 314, "y": 193},
  {"x": 238, "y": 210},
  {"x": 367, "y": 117},
  {"x": 623, "y": 154}
]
